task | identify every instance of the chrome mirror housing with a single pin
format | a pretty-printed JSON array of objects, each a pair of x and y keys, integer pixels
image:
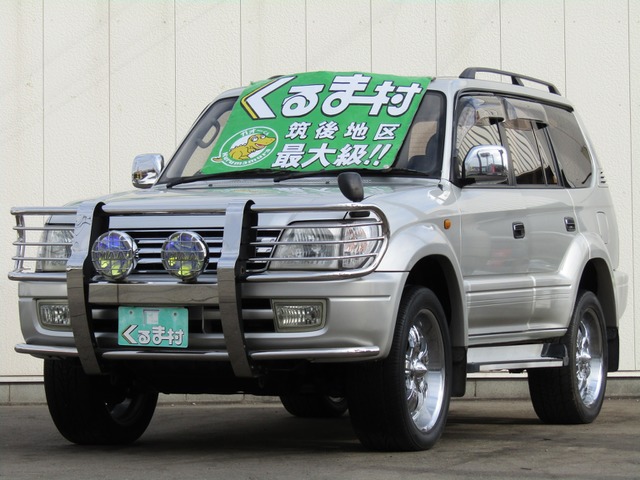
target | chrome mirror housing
[
  {"x": 146, "y": 169},
  {"x": 486, "y": 164}
]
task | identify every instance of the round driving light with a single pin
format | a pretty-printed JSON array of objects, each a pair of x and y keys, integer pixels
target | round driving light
[
  {"x": 114, "y": 254},
  {"x": 185, "y": 255}
]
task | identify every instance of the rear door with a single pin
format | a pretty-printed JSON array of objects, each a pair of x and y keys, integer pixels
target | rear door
[{"x": 549, "y": 222}]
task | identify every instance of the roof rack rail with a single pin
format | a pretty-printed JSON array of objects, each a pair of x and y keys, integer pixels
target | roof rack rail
[{"x": 516, "y": 78}]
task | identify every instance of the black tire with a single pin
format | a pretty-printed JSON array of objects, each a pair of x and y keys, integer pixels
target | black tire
[
  {"x": 401, "y": 403},
  {"x": 573, "y": 394},
  {"x": 89, "y": 410},
  {"x": 314, "y": 405}
]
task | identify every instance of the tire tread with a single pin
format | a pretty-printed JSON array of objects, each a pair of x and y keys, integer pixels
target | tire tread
[
  {"x": 78, "y": 408},
  {"x": 376, "y": 393},
  {"x": 553, "y": 391}
]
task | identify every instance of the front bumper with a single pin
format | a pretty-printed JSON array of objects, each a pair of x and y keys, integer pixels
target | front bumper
[
  {"x": 360, "y": 319},
  {"x": 225, "y": 308}
]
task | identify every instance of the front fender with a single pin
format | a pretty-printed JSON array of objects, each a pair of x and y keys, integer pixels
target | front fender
[{"x": 417, "y": 246}]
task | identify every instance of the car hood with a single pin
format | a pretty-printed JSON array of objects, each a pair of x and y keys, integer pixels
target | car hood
[{"x": 398, "y": 197}]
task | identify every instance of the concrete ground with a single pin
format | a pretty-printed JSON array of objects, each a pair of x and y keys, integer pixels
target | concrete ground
[{"x": 484, "y": 439}]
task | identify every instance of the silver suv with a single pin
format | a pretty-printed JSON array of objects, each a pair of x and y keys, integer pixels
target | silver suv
[{"x": 342, "y": 241}]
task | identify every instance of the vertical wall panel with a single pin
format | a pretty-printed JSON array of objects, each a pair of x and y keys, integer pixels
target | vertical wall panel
[
  {"x": 532, "y": 39},
  {"x": 633, "y": 307},
  {"x": 20, "y": 154},
  {"x": 598, "y": 84},
  {"x": 142, "y": 58},
  {"x": 403, "y": 39},
  {"x": 338, "y": 35},
  {"x": 207, "y": 55},
  {"x": 76, "y": 100},
  {"x": 468, "y": 35},
  {"x": 273, "y": 38}
]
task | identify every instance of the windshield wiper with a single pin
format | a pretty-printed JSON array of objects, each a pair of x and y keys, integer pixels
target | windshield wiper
[
  {"x": 281, "y": 176},
  {"x": 408, "y": 172},
  {"x": 388, "y": 171},
  {"x": 216, "y": 176}
]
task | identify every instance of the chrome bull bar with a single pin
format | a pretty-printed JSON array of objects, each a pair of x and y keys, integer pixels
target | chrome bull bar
[{"x": 241, "y": 220}]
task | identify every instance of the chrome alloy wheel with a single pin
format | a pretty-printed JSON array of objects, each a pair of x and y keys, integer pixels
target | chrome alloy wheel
[
  {"x": 589, "y": 358},
  {"x": 425, "y": 371},
  {"x": 573, "y": 393},
  {"x": 401, "y": 403}
]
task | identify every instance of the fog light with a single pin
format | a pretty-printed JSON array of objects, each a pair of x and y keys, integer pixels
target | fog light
[
  {"x": 114, "y": 255},
  {"x": 185, "y": 255},
  {"x": 298, "y": 315},
  {"x": 54, "y": 316}
]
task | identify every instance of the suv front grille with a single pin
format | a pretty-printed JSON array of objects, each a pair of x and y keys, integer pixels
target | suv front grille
[{"x": 150, "y": 243}]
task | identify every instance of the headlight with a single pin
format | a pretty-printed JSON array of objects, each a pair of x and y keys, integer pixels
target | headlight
[
  {"x": 185, "y": 255},
  {"x": 345, "y": 247},
  {"x": 114, "y": 254},
  {"x": 314, "y": 248},
  {"x": 358, "y": 248},
  {"x": 57, "y": 245}
]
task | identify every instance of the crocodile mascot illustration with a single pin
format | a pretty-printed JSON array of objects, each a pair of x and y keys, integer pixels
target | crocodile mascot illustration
[{"x": 254, "y": 143}]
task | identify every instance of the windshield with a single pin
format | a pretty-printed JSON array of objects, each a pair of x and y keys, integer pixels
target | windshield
[{"x": 343, "y": 122}]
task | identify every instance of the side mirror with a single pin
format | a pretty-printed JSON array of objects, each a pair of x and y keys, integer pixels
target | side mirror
[
  {"x": 485, "y": 164},
  {"x": 351, "y": 186},
  {"x": 146, "y": 169}
]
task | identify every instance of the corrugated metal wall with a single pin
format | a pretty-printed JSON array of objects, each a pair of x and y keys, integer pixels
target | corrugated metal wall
[{"x": 85, "y": 85}]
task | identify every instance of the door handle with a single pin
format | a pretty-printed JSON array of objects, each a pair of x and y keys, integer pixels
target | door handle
[
  {"x": 518, "y": 230},
  {"x": 570, "y": 224}
]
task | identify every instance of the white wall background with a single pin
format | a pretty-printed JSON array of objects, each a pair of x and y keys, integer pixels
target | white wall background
[{"x": 85, "y": 85}]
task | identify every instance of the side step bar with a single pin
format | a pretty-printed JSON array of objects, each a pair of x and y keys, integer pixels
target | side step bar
[{"x": 516, "y": 357}]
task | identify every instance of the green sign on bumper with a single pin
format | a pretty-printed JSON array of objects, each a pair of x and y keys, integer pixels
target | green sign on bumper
[{"x": 153, "y": 327}]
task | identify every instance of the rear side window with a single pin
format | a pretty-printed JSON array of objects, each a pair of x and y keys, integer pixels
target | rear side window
[
  {"x": 570, "y": 148},
  {"x": 530, "y": 155},
  {"x": 525, "y": 158}
]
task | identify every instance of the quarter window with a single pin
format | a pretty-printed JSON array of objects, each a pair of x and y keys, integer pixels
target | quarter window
[{"x": 570, "y": 148}]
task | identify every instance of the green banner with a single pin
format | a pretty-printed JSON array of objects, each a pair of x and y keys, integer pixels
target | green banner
[{"x": 318, "y": 121}]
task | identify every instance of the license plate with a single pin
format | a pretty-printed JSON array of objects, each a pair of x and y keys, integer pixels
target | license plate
[{"x": 153, "y": 327}]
